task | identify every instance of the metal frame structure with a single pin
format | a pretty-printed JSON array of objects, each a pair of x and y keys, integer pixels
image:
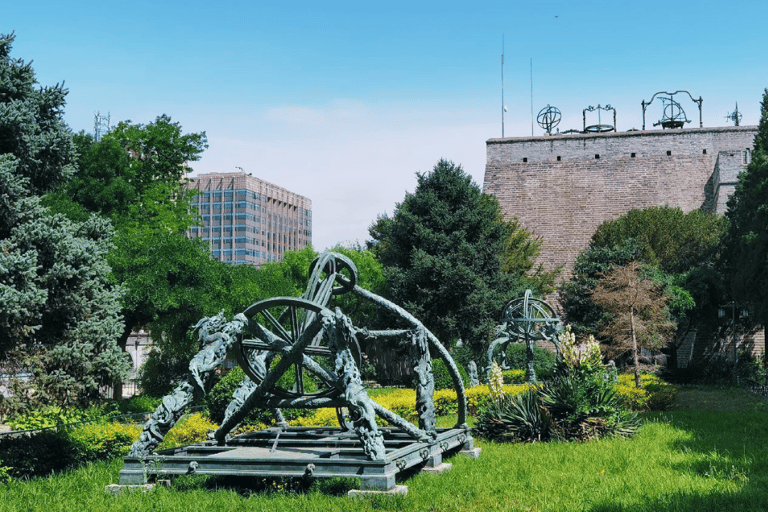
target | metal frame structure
[
  {"x": 670, "y": 98},
  {"x": 526, "y": 320},
  {"x": 303, "y": 338},
  {"x": 599, "y": 127}
]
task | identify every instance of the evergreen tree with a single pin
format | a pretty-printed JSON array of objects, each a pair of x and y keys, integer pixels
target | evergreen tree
[
  {"x": 675, "y": 249},
  {"x": 746, "y": 245},
  {"x": 443, "y": 253},
  {"x": 58, "y": 308}
]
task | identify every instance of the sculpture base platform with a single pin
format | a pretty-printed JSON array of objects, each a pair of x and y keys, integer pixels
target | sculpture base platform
[{"x": 311, "y": 452}]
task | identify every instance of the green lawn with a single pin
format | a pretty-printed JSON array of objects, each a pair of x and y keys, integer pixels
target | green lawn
[{"x": 710, "y": 453}]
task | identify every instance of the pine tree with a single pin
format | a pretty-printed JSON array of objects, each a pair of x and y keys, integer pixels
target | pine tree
[
  {"x": 58, "y": 309},
  {"x": 445, "y": 253},
  {"x": 746, "y": 244}
]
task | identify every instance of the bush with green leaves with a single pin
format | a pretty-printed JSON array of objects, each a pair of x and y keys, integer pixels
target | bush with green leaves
[
  {"x": 101, "y": 441},
  {"x": 193, "y": 428},
  {"x": 543, "y": 359},
  {"x": 39, "y": 454},
  {"x": 50, "y": 417},
  {"x": 654, "y": 395},
  {"x": 443, "y": 378},
  {"x": 578, "y": 403},
  {"x": 221, "y": 395},
  {"x": 514, "y": 376}
]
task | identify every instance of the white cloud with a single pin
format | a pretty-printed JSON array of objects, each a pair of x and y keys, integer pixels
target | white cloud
[{"x": 354, "y": 161}]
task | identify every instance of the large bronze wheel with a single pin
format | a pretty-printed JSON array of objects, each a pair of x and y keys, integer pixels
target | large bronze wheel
[{"x": 275, "y": 327}]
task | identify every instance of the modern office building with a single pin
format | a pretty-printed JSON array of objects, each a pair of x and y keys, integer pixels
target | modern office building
[{"x": 247, "y": 220}]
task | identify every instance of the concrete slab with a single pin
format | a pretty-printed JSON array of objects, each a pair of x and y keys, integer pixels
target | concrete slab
[
  {"x": 474, "y": 453},
  {"x": 437, "y": 470},
  {"x": 398, "y": 490},
  {"x": 115, "y": 489}
]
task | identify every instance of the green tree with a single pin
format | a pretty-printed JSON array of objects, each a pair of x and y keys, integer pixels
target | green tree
[
  {"x": 746, "y": 245},
  {"x": 135, "y": 177},
  {"x": 443, "y": 256},
  {"x": 637, "y": 313},
  {"x": 678, "y": 248},
  {"x": 58, "y": 306},
  {"x": 670, "y": 239}
]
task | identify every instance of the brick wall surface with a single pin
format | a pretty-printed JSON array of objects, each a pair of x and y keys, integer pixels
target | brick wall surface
[{"x": 562, "y": 187}]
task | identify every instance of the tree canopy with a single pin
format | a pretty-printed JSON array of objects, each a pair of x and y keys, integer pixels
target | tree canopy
[
  {"x": 443, "y": 253},
  {"x": 746, "y": 245},
  {"x": 637, "y": 314},
  {"x": 674, "y": 249},
  {"x": 58, "y": 306}
]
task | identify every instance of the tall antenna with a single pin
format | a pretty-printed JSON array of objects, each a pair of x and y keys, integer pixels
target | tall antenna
[
  {"x": 100, "y": 125},
  {"x": 531, "y": 96},
  {"x": 503, "y": 108}
]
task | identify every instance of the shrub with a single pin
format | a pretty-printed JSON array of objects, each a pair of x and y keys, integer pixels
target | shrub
[
  {"x": 191, "y": 429},
  {"x": 103, "y": 441},
  {"x": 514, "y": 376},
  {"x": 50, "y": 417},
  {"x": 655, "y": 395},
  {"x": 162, "y": 372},
  {"x": 39, "y": 454},
  {"x": 443, "y": 378},
  {"x": 325, "y": 417},
  {"x": 543, "y": 359},
  {"x": 578, "y": 403},
  {"x": 219, "y": 397},
  {"x": 49, "y": 451},
  {"x": 403, "y": 403},
  {"x": 139, "y": 404}
]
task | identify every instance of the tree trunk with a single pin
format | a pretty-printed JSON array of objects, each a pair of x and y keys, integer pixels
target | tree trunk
[{"x": 635, "y": 355}]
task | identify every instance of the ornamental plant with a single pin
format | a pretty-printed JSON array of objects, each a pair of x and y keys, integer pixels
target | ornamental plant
[
  {"x": 578, "y": 403},
  {"x": 496, "y": 382}
]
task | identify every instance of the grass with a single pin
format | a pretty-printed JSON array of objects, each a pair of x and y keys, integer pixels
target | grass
[{"x": 709, "y": 453}]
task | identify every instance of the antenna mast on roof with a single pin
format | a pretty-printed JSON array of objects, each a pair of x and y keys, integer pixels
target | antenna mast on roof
[
  {"x": 503, "y": 106},
  {"x": 100, "y": 125},
  {"x": 531, "y": 96}
]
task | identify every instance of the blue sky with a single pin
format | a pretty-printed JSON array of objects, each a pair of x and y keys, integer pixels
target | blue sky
[{"x": 344, "y": 102}]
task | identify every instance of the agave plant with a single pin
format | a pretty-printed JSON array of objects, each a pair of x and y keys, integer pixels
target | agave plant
[{"x": 521, "y": 417}]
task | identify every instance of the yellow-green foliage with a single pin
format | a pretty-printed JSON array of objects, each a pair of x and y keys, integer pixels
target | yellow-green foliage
[
  {"x": 192, "y": 429},
  {"x": 321, "y": 418},
  {"x": 655, "y": 394},
  {"x": 403, "y": 403},
  {"x": 104, "y": 440},
  {"x": 513, "y": 376},
  {"x": 245, "y": 428}
]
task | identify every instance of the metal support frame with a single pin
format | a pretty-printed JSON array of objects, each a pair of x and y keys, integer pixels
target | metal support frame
[{"x": 671, "y": 94}]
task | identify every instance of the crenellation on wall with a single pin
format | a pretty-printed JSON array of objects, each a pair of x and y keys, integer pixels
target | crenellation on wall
[{"x": 705, "y": 141}]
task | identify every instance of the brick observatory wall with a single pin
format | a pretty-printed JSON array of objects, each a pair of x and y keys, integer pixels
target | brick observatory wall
[{"x": 561, "y": 187}]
